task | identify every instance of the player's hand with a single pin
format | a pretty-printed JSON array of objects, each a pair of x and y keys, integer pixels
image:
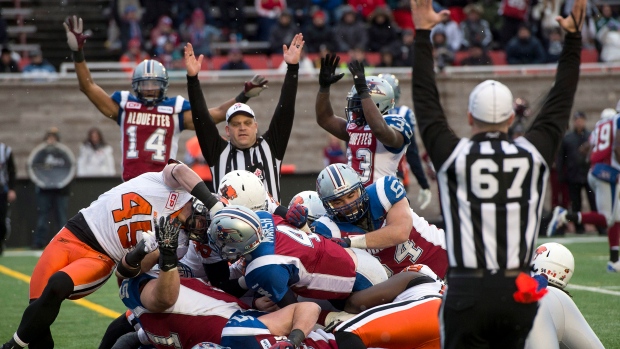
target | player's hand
[
  {"x": 574, "y": 22},
  {"x": 327, "y": 74},
  {"x": 254, "y": 87},
  {"x": 285, "y": 344},
  {"x": 424, "y": 198},
  {"x": 297, "y": 215},
  {"x": 359, "y": 79},
  {"x": 192, "y": 64},
  {"x": 167, "y": 233},
  {"x": 292, "y": 54},
  {"x": 149, "y": 242},
  {"x": 424, "y": 17},
  {"x": 11, "y": 196},
  {"x": 75, "y": 33},
  {"x": 265, "y": 304},
  {"x": 344, "y": 242}
]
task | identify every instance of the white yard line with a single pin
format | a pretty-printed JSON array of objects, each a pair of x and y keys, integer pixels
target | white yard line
[
  {"x": 25, "y": 253},
  {"x": 593, "y": 289},
  {"x": 573, "y": 240}
]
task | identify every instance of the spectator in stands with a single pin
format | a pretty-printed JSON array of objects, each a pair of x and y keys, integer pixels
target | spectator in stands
[
  {"x": 357, "y": 54},
  {"x": 232, "y": 18},
  {"x": 129, "y": 26},
  {"x": 7, "y": 64},
  {"x": 607, "y": 35},
  {"x": 607, "y": 19},
  {"x": 162, "y": 34},
  {"x": 366, "y": 7},
  {"x": 350, "y": 31},
  {"x": 381, "y": 29},
  {"x": 4, "y": 36},
  {"x": 441, "y": 51},
  {"x": 514, "y": 15},
  {"x": 387, "y": 57},
  {"x": 171, "y": 57},
  {"x": 451, "y": 30},
  {"x": 525, "y": 48},
  {"x": 235, "y": 61},
  {"x": 39, "y": 67},
  {"x": 333, "y": 153},
  {"x": 331, "y": 9},
  {"x": 476, "y": 56},
  {"x": 283, "y": 32},
  {"x": 554, "y": 46},
  {"x": 96, "y": 158},
  {"x": 268, "y": 12},
  {"x": 404, "y": 57},
  {"x": 319, "y": 33},
  {"x": 200, "y": 34},
  {"x": 474, "y": 29},
  {"x": 154, "y": 10},
  {"x": 133, "y": 56},
  {"x": 300, "y": 9}
]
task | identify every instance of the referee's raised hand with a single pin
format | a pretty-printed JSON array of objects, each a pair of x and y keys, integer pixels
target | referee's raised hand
[
  {"x": 424, "y": 17},
  {"x": 192, "y": 63},
  {"x": 292, "y": 54},
  {"x": 574, "y": 21}
]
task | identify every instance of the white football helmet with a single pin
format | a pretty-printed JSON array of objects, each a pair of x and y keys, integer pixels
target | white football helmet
[
  {"x": 245, "y": 189},
  {"x": 381, "y": 92},
  {"x": 556, "y": 262},
  {"x": 607, "y": 113},
  {"x": 310, "y": 199}
]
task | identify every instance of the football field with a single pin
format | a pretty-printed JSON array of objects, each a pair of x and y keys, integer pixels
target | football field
[{"x": 82, "y": 324}]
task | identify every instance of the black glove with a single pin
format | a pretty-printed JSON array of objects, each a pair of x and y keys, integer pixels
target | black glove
[
  {"x": 167, "y": 234},
  {"x": 344, "y": 242},
  {"x": 327, "y": 75},
  {"x": 359, "y": 79}
]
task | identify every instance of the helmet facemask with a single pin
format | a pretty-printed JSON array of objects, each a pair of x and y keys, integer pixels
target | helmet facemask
[
  {"x": 198, "y": 223},
  {"x": 354, "y": 110},
  {"x": 351, "y": 212},
  {"x": 150, "y": 90}
]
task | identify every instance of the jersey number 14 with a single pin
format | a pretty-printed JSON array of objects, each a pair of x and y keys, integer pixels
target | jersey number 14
[{"x": 155, "y": 143}]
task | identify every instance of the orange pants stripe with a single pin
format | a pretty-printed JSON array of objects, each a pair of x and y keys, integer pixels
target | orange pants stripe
[
  {"x": 402, "y": 325},
  {"x": 88, "y": 268}
]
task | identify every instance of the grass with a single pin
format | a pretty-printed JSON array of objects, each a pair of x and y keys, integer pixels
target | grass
[{"x": 78, "y": 327}]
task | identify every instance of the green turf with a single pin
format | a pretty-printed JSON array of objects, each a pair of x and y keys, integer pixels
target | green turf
[{"x": 78, "y": 327}]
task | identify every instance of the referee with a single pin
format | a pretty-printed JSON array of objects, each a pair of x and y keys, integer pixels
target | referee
[
  {"x": 491, "y": 188},
  {"x": 246, "y": 150}
]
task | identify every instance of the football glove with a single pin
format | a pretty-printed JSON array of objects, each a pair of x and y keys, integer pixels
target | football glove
[
  {"x": 327, "y": 74},
  {"x": 424, "y": 198},
  {"x": 167, "y": 233},
  {"x": 297, "y": 215},
  {"x": 254, "y": 87},
  {"x": 529, "y": 289},
  {"x": 285, "y": 344},
  {"x": 149, "y": 241},
  {"x": 75, "y": 33},
  {"x": 344, "y": 242},
  {"x": 359, "y": 79}
]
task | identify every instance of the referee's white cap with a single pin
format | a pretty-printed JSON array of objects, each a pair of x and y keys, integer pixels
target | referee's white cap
[
  {"x": 491, "y": 102},
  {"x": 239, "y": 108}
]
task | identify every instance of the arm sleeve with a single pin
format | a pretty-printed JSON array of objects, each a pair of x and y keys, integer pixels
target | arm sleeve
[
  {"x": 281, "y": 124},
  {"x": 10, "y": 165},
  {"x": 413, "y": 159},
  {"x": 552, "y": 121},
  {"x": 437, "y": 136},
  {"x": 211, "y": 144}
]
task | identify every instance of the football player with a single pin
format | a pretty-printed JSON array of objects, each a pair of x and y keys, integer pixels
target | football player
[
  {"x": 376, "y": 140},
  {"x": 412, "y": 155},
  {"x": 558, "y": 322},
  {"x": 378, "y": 218},
  {"x": 112, "y": 231},
  {"x": 309, "y": 199},
  {"x": 283, "y": 261},
  {"x": 150, "y": 121},
  {"x": 603, "y": 179}
]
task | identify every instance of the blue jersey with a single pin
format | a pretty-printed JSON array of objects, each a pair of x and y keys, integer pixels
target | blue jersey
[{"x": 406, "y": 113}]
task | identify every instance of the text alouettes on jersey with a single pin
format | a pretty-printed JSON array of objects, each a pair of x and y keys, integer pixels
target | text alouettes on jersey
[
  {"x": 288, "y": 257},
  {"x": 120, "y": 215},
  {"x": 182, "y": 325},
  {"x": 426, "y": 244},
  {"x": 369, "y": 157},
  {"x": 149, "y": 134},
  {"x": 602, "y": 141}
]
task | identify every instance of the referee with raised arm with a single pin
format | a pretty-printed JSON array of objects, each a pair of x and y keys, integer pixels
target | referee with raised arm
[
  {"x": 492, "y": 191},
  {"x": 246, "y": 150}
]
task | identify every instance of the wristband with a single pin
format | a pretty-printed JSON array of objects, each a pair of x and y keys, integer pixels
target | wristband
[
  {"x": 241, "y": 98},
  {"x": 358, "y": 241},
  {"x": 167, "y": 259},
  {"x": 78, "y": 56},
  {"x": 296, "y": 337},
  {"x": 202, "y": 193},
  {"x": 125, "y": 272},
  {"x": 136, "y": 256}
]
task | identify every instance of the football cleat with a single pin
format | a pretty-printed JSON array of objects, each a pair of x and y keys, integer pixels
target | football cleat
[
  {"x": 613, "y": 267},
  {"x": 557, "y": 220}
]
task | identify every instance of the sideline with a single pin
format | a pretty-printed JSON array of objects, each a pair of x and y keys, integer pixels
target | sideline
[
  {"x": 593, "y": 289},
  {"x": 82, "y": 302}
]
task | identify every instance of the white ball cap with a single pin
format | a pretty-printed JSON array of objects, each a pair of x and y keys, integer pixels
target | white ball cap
[
  {"x": 491, "y": 102},
  {"x": 239, "y": 108}
]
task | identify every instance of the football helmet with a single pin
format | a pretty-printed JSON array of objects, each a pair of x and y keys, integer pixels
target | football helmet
[
  {"x": 393, "y": 81},
  {"x": 608, "y": 112},
  {"x": 208, "y": 345},
  {"x": 150, "y": 76},
  {"x": 198, "y": 223},
  {"x": 234, "y": 232},
  {"x": 245, "y": 189},
  {"x": 336, "y": 181},
  {"x": 556, "y": 262},
  {"x": 310, "y": 200},
  {"x": 381, "y": 94}
]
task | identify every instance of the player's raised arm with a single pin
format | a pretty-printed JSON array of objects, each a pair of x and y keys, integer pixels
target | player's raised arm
[
  {"x": 76, "y": 39},
  {"x": 325, "y": 116}
]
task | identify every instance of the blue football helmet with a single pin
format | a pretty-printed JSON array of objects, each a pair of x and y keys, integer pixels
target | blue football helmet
[
  {"x": 380, "y": 92},
  {"x": 149, "y": 76},
  {"x": 393, "y": 81},
  {"x": 208, "y": 345},
  {"x": 336, "y": 182},
  {"x": 234, "y": 232}
]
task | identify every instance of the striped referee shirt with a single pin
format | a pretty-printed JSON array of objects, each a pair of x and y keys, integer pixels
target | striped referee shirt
[
  {"x": 264, "y": 158},
  {"x": 7, "y": 169},
  {"x": 491, "y": 188}
]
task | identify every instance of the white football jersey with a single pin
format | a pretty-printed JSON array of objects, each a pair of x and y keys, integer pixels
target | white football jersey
[
  {"x": 120, "y": 215},
  {"x": 429, "y": 289}
]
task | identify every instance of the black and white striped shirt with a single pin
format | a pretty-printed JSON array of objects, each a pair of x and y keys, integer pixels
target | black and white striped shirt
[
  {"x": 264, "y": 158},
  {"x": 7, "y": 168},
  {"x": 492, "y": 189}
]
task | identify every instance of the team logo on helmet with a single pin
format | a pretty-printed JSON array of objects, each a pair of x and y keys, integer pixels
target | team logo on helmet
[
  {"x": 228, "y": 235},
  {"x": 374, "y": 88},
  {"x": 540, "y": 250},
  {"x": 228, "y": 192},
  {"x": 298, "y": 200}
]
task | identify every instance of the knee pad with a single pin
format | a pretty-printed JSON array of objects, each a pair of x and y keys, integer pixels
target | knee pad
[{"x": 59, "y": 287}]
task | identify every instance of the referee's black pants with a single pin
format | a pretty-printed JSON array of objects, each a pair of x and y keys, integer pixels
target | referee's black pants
[{"x": 479, "y": 311}]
